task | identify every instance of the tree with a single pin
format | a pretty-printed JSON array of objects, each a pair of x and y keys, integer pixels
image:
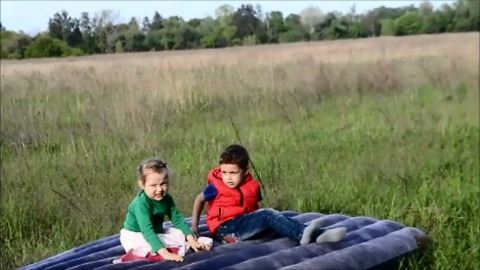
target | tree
[
  {"x": 245, "y": 21},
  {"x": 310, "y": 17},
  {"x": 157, "y": 22},
  {"x": 409, "y": 23},
  {"x": 294, "y": 30},
  {"x": 225, "y": 32},
  {"x": 105, "y": 30},
  {"x": 275, "y": 26}
]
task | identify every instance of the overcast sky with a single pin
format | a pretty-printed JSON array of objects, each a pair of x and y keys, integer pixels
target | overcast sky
[{"x": 32, "y": 16}]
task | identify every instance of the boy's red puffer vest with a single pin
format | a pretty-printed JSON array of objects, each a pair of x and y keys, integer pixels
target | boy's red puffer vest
[{"x": 230, "y": 202}]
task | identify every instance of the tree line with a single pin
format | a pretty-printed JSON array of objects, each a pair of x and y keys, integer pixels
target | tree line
[{"x": 245, "y": 26}]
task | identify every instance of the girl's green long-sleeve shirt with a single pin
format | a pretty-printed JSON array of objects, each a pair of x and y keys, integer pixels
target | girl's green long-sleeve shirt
[{"x": 147, "y": 216}]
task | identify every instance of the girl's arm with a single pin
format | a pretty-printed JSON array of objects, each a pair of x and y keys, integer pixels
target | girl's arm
[
  {"x": 177, "y": 218},
  {"x": 142, "y": 212}
]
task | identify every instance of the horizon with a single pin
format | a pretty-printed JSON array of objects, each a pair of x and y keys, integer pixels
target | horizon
[{"x": 33, "y": 22}]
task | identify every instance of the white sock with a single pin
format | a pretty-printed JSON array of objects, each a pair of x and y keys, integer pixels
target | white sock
[
  {"x": 309, "y": 230},
  {"x": 332, "y": 235}
]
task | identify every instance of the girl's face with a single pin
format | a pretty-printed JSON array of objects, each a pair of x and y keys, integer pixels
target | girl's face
[{"x": 155, "y": 185}]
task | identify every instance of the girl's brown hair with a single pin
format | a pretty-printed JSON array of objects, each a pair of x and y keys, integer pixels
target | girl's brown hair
[{"x": 155, "y": 164}]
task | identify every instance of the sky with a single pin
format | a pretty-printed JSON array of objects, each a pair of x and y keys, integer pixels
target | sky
[{"x": 32, "y": 16}]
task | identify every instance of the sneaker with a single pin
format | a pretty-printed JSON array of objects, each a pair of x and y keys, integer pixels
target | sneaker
[{"x": 229, "y": 238}]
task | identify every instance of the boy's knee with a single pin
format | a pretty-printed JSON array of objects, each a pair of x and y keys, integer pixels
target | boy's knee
[{"x": 269, "y": 211}]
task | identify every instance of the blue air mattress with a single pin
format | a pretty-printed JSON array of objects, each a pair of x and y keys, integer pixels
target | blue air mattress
[{"x": 369, "y": 243}]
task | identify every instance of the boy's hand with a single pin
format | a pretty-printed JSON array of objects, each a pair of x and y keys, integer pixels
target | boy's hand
[
  {"x": 167, "y": 255},
  {"x": 195, "y": 244}
]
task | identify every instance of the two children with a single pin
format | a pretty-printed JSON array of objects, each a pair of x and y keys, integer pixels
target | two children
[{"x": 233, "y": 213}]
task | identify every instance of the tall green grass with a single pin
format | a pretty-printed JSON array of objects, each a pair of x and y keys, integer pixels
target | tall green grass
[{"x": 354, "y": 138}]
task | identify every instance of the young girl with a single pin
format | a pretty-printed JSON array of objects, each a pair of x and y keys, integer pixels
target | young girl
[{"x": 143, "y": 235}]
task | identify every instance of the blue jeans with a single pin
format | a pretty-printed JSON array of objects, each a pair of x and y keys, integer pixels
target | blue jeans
[{"x": 257, "y": 224}]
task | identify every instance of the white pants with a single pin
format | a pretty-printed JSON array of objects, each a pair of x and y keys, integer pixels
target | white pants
[{"x": 172, "y": 237}]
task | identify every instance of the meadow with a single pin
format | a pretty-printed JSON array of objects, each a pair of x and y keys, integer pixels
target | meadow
[{"x": 384, "y": 127}]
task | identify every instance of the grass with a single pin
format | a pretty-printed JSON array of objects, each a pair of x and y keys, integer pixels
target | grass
[{"x": 387, "y": 128}]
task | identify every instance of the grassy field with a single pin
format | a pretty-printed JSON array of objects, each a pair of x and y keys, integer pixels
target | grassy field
[{"x": 384, "y": 127}]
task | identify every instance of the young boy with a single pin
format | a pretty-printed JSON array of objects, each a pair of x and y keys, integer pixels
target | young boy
[{"x": 233, "y": 212}]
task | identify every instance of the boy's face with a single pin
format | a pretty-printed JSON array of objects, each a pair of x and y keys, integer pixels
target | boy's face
[
  {"x": 232, "y": 174},
  {"x": 156, "y": 185}
]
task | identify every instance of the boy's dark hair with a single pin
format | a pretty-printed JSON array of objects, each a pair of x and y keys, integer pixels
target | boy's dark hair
[{"x": 235, "y": 154}]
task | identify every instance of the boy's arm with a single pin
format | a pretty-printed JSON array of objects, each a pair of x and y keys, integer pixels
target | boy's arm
[
  {"x": 198, "y": 205},
  {"x": 206, "y": 195},
  {"x": 142, "y": 212}
]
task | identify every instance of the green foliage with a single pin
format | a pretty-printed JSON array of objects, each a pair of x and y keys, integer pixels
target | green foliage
[
  {"x": 232, "y": 27},
  {"x": 119, "y": 47},
  {"x": 45, "y": 46},
  {"x": 13, "y": 45},
  {"x": 388, "y": 27},
  {"x": 250, "y": 40},
  {"x": 409, "y": 23}
]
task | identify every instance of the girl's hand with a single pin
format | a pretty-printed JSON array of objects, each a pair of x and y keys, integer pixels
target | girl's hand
[{"x": 167, "y": 255}]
